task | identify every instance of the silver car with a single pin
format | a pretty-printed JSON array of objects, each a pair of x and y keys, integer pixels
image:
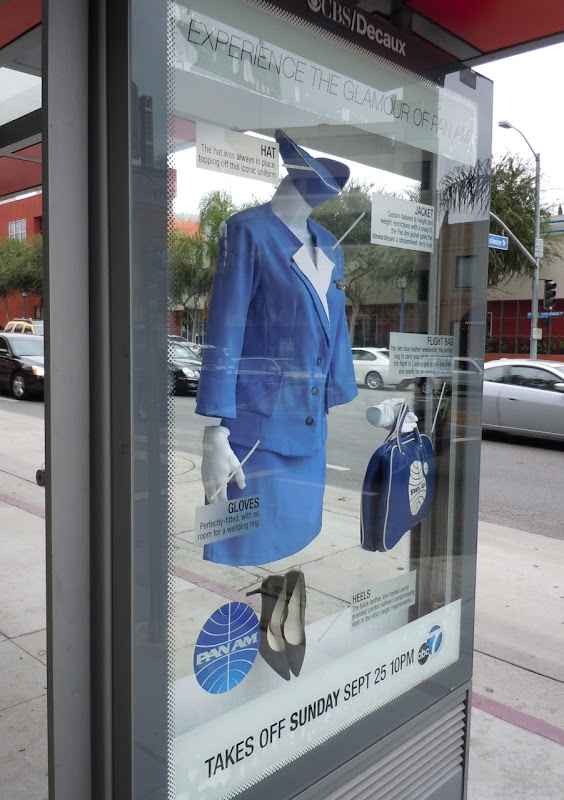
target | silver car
[{"x": 524, "y": 397}]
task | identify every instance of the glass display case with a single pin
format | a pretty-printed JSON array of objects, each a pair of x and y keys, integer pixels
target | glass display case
[{"x": 310, "y": 200}]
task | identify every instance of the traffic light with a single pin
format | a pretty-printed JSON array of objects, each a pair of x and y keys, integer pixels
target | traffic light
[{"x": 549, "y": 294}]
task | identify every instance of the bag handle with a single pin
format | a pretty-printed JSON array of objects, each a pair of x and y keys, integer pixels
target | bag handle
[{"x": 398, "y": 424}]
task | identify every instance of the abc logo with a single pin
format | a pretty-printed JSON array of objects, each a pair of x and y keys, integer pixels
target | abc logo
[
  {"x": 423, "y": 653},
  {"x": 432, "y": 645},
  {"x": 435, "y": 639}
]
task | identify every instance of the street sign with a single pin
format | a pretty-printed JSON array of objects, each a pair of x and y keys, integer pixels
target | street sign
[
  {"x": 545, "y": 314},
  {"x": 498, "y": 242},
  {"x": 539, "y": 248}
]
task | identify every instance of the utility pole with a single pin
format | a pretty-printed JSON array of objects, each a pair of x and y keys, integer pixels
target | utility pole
[{"x": 538, "y": 247}]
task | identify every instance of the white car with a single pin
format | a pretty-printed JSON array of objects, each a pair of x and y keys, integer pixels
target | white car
[{"x": 371, "y": 366}]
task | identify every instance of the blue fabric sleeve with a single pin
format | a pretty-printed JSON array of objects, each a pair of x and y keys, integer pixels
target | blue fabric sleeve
[{"x": 233, "y": 289}]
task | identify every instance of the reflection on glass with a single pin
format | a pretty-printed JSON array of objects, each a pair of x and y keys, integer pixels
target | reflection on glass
[{"x": 20, "y": 94}]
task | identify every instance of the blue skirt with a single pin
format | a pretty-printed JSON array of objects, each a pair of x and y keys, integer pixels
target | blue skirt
[{"x": 291, "y": 490}]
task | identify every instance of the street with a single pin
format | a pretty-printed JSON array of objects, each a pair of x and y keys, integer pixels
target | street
[{"x": 520, "y": 480}]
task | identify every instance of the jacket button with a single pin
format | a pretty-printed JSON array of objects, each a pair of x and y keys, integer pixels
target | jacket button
[
  {"x": 314, "y": 390},
  {"x": 319, "y": 361},
  {"x": 309, "y": 421}
]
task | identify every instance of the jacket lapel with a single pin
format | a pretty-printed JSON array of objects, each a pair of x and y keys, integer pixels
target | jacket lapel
[{"x": 317, "y": 279}]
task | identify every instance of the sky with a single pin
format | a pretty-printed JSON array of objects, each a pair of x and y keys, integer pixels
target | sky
[{"x": 528, "y": 93}]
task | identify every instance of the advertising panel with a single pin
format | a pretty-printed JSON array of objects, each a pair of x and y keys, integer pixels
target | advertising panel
[
  {"x": 243, "y": 745},
  {"x": 317, "y": 560}
]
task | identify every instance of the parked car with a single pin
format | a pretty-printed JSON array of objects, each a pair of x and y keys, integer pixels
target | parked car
[
  {"x": 22, "y": 367},
  {"x": 372, "y": 367},
  {"x": 524, "y": 398},
  {"x": 33, "y": 326},
  {"x": 184, "y": 366},
  {"x": 182, "y": 340},
  {"x": 466, "y": 375}
]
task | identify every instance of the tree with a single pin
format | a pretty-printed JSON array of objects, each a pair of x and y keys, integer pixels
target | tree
[
  {"x": 21, "y": 267},
  {"x": 215, "y": 209},
  {"x": 513, "y": 201},
  {"x": 32, "y": 274},
  {"x": 13, "y": 259},
  {"x": 367, "y": 266},
  {"x": 508, "y": 184},
  {"x": 192, "y": 257},
  {"x": 189, "y": 278}
]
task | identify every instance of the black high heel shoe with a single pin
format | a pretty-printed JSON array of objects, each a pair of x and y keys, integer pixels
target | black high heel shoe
[
  {"x": 272, "y": 646},
  {"x": 294, "y": 623}
]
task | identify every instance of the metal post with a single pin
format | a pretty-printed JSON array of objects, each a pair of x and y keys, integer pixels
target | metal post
[
  {"x": 402, "y": 295},
  {"x": 535, "y": 289},
  {"x": 401, "y": 283},
  {"x": 66, "y": 163}
]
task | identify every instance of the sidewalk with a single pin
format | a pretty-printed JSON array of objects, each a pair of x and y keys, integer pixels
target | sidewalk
[{"x": 517, "y": 726}]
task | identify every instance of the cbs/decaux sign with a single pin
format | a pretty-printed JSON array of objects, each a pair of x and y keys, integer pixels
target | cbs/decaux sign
[{"x": 354, "y": 21}]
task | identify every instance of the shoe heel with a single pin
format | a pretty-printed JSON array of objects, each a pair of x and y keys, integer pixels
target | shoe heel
[
  {"x": 272, "y": 646},
  {"x": 294, "y": 623}
]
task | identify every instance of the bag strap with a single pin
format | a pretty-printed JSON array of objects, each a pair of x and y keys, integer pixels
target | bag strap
[{"x": 398, "y": 424}]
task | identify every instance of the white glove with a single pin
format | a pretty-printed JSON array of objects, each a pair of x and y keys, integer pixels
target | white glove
[
  {"x": 384, "y": 415},
  {"x": 218, "y": 462}
]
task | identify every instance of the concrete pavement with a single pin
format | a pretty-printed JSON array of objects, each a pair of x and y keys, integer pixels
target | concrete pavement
[{"x": 517, "y": 729}]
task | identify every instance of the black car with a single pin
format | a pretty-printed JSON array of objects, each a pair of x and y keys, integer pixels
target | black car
[
  {"x": 184, "y": 366},
  {"x": 22, "y": 367}
]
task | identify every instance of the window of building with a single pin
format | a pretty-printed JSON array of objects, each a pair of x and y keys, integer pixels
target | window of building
[
  {"x": 466, "y": 267},
  {"x": 17, "y": 229}
]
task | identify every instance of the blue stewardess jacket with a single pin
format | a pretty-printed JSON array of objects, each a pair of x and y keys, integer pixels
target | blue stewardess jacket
[{"x": 277, "y": 354}]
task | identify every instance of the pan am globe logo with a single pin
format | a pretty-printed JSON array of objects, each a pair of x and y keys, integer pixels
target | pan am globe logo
[
  {"x": 226, "y": 648},
  {"x": 433, "y": 644},
  {"x": 417, "y": 485}
]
